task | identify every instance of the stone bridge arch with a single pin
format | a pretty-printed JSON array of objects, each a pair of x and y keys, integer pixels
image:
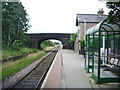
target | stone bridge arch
[
  {"x": 37, "y": 38},
  {"x": 40, "y": 41}
]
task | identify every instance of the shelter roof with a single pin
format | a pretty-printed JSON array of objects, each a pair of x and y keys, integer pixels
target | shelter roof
[{"x": 105, "y": 27}]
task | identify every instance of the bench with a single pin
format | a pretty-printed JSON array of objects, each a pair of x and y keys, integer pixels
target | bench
[{"x": 114, "y": 64}]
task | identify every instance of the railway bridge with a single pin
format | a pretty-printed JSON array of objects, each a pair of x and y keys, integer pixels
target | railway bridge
[{"x": 38, "y": 38}]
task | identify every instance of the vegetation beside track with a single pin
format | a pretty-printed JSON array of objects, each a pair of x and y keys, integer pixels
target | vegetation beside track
[
  {"x": 11, "y": 67},
  {"x": 7, "y": 53}
]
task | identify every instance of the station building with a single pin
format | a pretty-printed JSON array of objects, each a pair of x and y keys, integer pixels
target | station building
[{"x": 84, "y": 22}]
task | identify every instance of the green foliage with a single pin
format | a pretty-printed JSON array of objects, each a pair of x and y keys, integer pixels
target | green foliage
[
  {"x": 56, "y": 43},
  {"x": 9, "y": 52},
  {"x": 72, "y": 40},
  {"x": 47, "y": 43},
  {"x": 114, "y": 14},
  {"x": 82, "y": 43},
  {"x": 82, "y": 46},
  {"x": 14, "y": 25},
  {"x": 12, "y": 67},
  {"x": 16, "y": 45}
]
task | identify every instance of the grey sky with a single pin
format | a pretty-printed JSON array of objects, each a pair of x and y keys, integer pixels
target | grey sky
[{"x": 58, "y": 16}]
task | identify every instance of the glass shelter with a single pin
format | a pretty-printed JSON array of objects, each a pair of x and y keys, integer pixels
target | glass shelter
[{"x": 102, "y": 52}]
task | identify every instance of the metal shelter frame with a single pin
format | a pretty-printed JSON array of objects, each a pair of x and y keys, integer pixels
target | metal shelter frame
[{"x": 102, "y": 52}]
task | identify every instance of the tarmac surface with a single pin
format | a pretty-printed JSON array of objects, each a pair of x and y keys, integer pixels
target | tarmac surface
[{"x": 67, "y": 71}]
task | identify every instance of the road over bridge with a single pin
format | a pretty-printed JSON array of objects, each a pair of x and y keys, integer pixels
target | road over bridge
[{"x": 38, "y": 38}]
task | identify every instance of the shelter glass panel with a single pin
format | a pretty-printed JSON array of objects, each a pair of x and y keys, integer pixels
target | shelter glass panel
[
  {"x": 96, "y": 49},
  {"x": 105, "y": 49}
]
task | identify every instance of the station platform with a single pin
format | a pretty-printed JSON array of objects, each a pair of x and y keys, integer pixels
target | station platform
[{"x": 67, "y": 71}]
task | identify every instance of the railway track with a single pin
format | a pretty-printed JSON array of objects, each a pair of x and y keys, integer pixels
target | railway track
[{"x": 34, "y": 79}]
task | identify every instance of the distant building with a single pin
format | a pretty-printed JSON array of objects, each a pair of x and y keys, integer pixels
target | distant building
[{"x": 84, "y": 22}]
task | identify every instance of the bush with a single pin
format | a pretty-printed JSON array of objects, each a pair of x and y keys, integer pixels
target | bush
[
  {"x": 23, "y": 51},
  {"x": 16, "y": 45},
  {"x": 47, "y": 43},
  {"x": 72, "y": 40},
  {"x": 82, "y": 43}
]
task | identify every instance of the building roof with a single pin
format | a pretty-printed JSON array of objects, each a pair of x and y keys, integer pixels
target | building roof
[{"x": 89, "y": 18}]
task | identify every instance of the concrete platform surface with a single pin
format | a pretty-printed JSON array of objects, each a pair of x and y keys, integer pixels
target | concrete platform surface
[
  {"x": 73, "y": 71},
  {"x": 67, "y": 71}
]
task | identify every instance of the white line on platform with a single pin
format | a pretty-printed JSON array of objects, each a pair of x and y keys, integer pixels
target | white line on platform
[{"x": 44, "y": 82}]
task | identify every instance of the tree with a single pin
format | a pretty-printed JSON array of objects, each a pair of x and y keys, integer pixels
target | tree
[
  {"x": 47, "y": 43},
  {"x": 56, "y": 43},
  {"x": 114, "y": 14},
  {"x": 72, "y": 40},
  {"x": 14, "y": 23}
]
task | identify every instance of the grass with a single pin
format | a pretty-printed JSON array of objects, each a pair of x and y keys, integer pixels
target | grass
[
  {"x": 6, "y": 53},
  {"x": 12, "y": 67}
]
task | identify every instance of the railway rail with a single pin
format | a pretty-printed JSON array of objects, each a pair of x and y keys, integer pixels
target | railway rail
[{"x": 34, "y": 79}]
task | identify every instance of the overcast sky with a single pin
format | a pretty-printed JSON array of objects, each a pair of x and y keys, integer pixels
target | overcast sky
[{"x": 59, "y": 16}]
